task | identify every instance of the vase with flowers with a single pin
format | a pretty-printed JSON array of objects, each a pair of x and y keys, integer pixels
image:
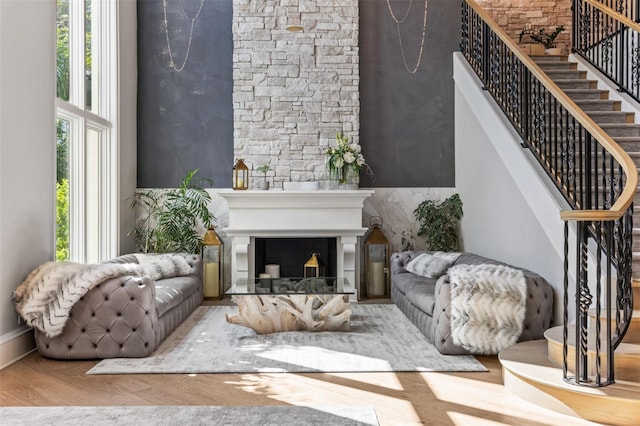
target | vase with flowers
[{"x": 344, "y": 161}]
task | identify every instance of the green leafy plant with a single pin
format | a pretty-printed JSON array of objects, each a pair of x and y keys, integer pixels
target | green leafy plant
[
  {"x": 169, "y": 219},
  {"x": 541, "y": 36},
  {"x": 439, "y": 221},
  {"x": 264, "y": 169},
  {"x": 62, "y": 220}
]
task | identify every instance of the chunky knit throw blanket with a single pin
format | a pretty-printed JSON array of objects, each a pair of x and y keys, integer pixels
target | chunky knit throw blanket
[
  {"x": 487, "y": 306},
  {"x": 45, "y": 298}
]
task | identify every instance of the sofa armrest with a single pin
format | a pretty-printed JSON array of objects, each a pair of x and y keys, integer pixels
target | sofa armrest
[
  {"x": 441, "y": 324},
  {"x": 117, "y": 318},
  {"x": 537, "y": 319}
]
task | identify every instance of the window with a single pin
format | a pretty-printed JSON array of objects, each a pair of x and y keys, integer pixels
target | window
[{"x": 86, "y": 219}]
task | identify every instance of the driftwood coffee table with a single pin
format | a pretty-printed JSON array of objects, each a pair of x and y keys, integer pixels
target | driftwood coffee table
[{"x": 292, "y": 304}]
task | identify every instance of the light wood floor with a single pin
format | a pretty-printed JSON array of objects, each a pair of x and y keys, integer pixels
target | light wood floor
[{"x": 398, "y": 398}]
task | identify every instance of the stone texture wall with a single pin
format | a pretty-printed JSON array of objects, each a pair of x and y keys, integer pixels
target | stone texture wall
[
  {"x": 513, "y": 15},
  {"x": 293, "y": 91}
]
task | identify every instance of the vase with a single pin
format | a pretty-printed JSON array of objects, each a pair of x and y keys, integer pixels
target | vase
[{"x": 347, "y": 178}]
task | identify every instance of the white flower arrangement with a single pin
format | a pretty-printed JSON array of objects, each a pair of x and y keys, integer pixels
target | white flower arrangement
[{"x": 344, "y": 160}]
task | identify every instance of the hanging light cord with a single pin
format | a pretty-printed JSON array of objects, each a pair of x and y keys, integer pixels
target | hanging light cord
[
  {"x": 166, "y": 29},
  {"x": 424, "y": 32}
]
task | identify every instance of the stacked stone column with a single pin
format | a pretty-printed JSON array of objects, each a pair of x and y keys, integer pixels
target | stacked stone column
[{"x": 293, "y": 91}]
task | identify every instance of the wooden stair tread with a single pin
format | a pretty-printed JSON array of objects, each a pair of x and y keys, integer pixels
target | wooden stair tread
[
  {"x": 554, "y": 335},
  {"x": 573, "y": 80},
  {"x": 537, "y": 58},
  {"x": 635, "y": 316},
  {"x": 530, "y": 359},
  {"x": 602, "y": 92},
  {"x": 529, "y": 374}
]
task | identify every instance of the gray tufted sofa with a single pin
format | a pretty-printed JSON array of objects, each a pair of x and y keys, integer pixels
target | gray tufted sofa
[
  {"x": 126, "y": 316},
  {"x": 426, "y": 301}
]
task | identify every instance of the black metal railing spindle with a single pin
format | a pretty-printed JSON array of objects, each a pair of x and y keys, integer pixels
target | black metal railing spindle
[{"x": 606, "y": 34}]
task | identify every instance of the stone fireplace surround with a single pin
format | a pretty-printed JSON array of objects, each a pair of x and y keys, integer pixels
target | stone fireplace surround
[{"x": 293, "y": 214}]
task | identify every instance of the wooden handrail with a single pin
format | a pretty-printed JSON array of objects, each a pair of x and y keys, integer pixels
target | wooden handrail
[
  {"x": 614, "y": 14},
  {"x": 628, "y": 193}
]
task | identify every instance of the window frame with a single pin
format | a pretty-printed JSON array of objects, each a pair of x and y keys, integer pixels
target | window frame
[{"x": 93, "y": 227}]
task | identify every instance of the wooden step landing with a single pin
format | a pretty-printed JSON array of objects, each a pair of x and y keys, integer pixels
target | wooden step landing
[
  {"x": 529, "y": 374},
  {"x": 627, "y": 355}
]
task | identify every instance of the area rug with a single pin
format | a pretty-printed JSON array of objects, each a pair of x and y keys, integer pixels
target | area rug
[
  {"x": 187, "y": 415},
  {"x": 381, "y": 339}
]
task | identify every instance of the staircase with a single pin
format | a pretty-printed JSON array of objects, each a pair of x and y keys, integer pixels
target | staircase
[
  {"x": 607, "y": 113},
  {"x": 533, "y": 370}
]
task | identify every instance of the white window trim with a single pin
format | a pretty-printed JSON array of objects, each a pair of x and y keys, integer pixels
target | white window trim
[{"x": 105, "y": 240}]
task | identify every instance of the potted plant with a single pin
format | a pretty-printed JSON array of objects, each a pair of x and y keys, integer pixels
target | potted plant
[
  {"x": 263, "y": 184},
  {"x": 169, "y": 219},
  {"x": 544, "y": 38},
  {"x": 439, "y": 223}
]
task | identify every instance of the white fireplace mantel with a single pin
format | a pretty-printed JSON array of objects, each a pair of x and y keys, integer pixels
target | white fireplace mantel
[{"x": 290, "y": 214}]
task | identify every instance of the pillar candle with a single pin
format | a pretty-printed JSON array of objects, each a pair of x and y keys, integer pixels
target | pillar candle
[
  {"x": 273, "y": 270},
  {"x": 211, "y": 280},
  {"x": 376, "y": 277}
]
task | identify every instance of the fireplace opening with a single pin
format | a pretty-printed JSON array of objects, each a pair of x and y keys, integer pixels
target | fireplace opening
[{"x": 292, "y": 253}]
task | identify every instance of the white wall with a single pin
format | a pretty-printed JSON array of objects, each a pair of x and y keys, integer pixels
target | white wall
[
  {"x": 27, "y": 146},
  {"x": 510, "y": 211},
  {"x": 127, "y": 113}
]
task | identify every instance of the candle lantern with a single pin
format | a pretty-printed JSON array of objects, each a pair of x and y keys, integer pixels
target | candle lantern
[
  {"x": 212, "y": 254},
  {"x": 376, "y": 260},
  {"x": 240, "y": 176},
  {"x": 313, "y": 265}
]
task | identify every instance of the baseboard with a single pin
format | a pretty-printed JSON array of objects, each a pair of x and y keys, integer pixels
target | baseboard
[{"x": 15, "y": 345}]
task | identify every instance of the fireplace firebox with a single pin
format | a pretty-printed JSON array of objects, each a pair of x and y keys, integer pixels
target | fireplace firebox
[{"x": 292, "y": 253}]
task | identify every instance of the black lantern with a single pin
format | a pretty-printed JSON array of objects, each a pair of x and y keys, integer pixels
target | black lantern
[
  {"x": 240, "y": 176},
  {"x": 212, "y": 264},
  {"x": 376, "y": 260}
]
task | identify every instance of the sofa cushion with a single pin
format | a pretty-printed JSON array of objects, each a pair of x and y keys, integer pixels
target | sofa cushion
[
  {"x": 421, "y": 296},
  {"x": 428, "y": 266},
  {"x": 418, "y": 290},
  {"x": 170, "y": 292}
]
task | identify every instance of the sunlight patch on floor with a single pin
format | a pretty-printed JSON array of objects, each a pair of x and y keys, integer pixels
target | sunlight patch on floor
[
  {"x": 305, "y": 356},
  {"x": 388, "y": 381},
  {"x": 319, "y": 389},
  {"x": 491, "y": 397},
  {"x": 446, "y": 386},
  {"x": 460, "y": 419}
]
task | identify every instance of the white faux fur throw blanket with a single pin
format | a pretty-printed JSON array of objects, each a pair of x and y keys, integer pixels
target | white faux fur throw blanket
[
  {"x": 487, "y": 306},
  {"x": 45, "y": 298}
]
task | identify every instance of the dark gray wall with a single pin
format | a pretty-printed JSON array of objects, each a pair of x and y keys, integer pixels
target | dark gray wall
[
  {"x": 406, "y": 120},
  {"x": 185, "y": 119}
]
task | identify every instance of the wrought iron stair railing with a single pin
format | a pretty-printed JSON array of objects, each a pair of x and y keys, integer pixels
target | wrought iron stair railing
[
  {"x": 628, "y": 8},
  {"x": 609, "y": 39},
  {"x": 595, "y": 176}
]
